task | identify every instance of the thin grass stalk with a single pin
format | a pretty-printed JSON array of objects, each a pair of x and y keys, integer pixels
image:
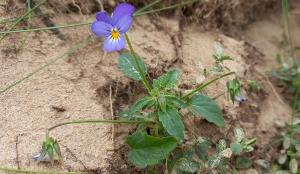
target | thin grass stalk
[
  {"x": 137, "y": 13},
  {"x": 287, "y": 28},
  {"x": 22, "y": 18}
]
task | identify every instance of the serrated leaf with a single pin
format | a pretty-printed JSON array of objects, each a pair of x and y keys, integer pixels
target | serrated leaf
[
  {"x": 214, "y": 161},
  {"x": 207, "y": 108},
  {"x": 172, "y": 122},
  {"x": 168, "y": 80},
  {"x": 137, "y": 106},
  {"x": 202, "y": 147},
  {"x": 187, "y": 165},
  {"x": 176, "y": 101},
  {"x": 162, "y": 102},
  {"x": 243, "y": 162},
  {"x": 148, "y": 150},
  {"x": 129, "y": 68},
  {"x": 236, "y": 148}
]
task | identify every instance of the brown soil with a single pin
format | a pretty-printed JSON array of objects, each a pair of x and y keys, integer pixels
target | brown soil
[{"x": 89, "y": 85}]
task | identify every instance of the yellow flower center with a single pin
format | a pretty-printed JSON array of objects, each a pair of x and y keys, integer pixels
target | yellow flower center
[{"x": 114, "y": 34}]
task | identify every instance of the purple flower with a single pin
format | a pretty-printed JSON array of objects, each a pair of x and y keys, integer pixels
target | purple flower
[{"x": 113, "y": 27}]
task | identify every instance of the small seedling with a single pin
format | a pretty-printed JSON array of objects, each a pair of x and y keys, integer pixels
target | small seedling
[
  {"x": 254, "y": 86},
  {"x": 235, "y": 91},
  {"x": 199, "y": 158},
  {"x": 50, "y": 151},
  {"x": 219, "y": 57}
]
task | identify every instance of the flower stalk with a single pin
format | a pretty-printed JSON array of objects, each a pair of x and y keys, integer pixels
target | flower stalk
[
  {"x": 95, "y": 122},
  {"x": 199, "y": 88},
  {"x": 143, "y": 76}
]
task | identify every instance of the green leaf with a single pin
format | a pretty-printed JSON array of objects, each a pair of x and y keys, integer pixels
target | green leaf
[
  {"x": 167, "y": 80},
  {"x": 234, "y": 89},
  {"x": 148, "y": 150},
  {"x": 162, "y": 102},
  {"x": 221, "y": 145},
  {"x": 50, "y": 151},
  {"x": 293, "y": 166},
  {"x": 218, "y": 49},
  {"x": 214, "y": 161},
  {"x": 236, "y": 148},
  {"x": 282, "y": 158},
  {"x": 129, "y": 68},
  {"x": 207, "y": 108},
  {"x": 176, "y": 101},
  {"x": 172, "y": 122},
  {"x": 137, "y": 106},
  {"x": 239, "y": 134},
  {"x": 243, "y": 162},
  {"x": 187, "y": 165},
  {"x": 202, "y": 147}
]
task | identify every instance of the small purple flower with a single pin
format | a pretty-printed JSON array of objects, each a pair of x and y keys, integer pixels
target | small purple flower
[{"x": 113, "y": 27}]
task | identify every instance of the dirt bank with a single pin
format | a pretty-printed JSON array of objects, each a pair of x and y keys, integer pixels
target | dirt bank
[{"x": 89, "y": 85}]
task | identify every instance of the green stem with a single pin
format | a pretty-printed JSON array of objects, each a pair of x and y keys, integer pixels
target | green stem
[
  {"x": 46, "y": 28},
  {"x": 143, "y": 76},
  {"x": 12, "y": 170},
  {"x": 147, "y": 6},
  {"x": 287, "y": 27},
  {"x": 295, "y": 108},
  {"x": 97, "y": 121},
  {"x": 199, "y": 88},
  {"x": 22, "y": 18},
  {"x": 167, "y": 8}
]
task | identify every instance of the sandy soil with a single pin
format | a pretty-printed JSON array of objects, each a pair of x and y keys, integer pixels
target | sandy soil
[{"x": 89, "y": 85}]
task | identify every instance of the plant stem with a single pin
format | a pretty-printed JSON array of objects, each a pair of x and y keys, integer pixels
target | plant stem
[
  {"x": 147, "y": 6},
  {"x": 97, "y": 121},
  {"x": 199, "y": 88},
  {"x": 138, "y": 66},
  {"x": 12, "y": 170},
  {"x": 22, "y": 18},
  {"x": 46, "y": 28},
  {"x": 167, "y": 8},
  {"x": 294, "y": 110},
  {"x": 287, "y": 27}
]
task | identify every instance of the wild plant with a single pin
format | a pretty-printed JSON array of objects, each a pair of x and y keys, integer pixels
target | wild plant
[
  {"x": 199, "y": 157},
  {"x": 160, "y": 134},
  {"x": 289, "y": 74},
  {"x": 254, "y": 86},
  {"x": 160, "y": 130},
  {"x": 289, "y": 157}
]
